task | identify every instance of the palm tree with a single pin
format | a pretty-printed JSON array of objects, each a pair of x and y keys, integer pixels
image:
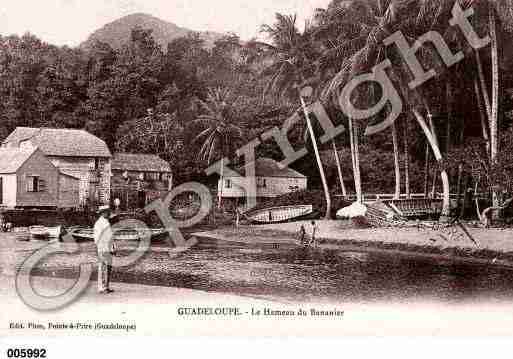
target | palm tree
[
  {"x": 494, "y": 122},
  {"x": 343, "y": 38},
  {"x": 359, "y": 43},
  {"x": 395, "y": 142},
  {"x": 431, "y": 137},
  {"x": 490, "y": 128},
  {"x": 406, "y": 133},
  {"x": 220, "y": 135},
  {"x": 413, "y": 18},
  {"x": 339, "y": 168},
  {"x": 292, "y": 53}
]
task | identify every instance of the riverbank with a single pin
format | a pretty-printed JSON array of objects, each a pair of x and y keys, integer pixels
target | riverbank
[{"x": 463, "y": 243}]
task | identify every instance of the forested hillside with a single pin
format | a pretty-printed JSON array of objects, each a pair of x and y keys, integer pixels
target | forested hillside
[{"x": 191, "y": 103}]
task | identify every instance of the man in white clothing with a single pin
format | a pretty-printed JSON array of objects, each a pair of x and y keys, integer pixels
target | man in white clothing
[{"x": 103, "y": 238}]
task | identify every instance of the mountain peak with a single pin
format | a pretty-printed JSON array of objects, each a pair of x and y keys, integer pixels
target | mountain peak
[{"x": 117, "y": 33}]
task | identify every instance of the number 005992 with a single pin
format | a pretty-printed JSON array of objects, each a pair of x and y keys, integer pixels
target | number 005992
[{"x": 26, "y": 353}]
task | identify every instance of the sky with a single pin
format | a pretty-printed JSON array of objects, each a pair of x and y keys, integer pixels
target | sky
[{"x": 70, "y": 22}]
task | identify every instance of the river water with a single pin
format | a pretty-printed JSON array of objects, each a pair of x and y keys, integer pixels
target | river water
[{"x": 309, "y": 275}]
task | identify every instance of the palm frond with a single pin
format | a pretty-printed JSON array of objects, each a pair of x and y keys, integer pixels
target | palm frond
[{"x": 345, "y": 50}]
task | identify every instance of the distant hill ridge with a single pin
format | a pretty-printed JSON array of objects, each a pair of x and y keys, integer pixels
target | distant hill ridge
[{"x": 117, "y": 33}]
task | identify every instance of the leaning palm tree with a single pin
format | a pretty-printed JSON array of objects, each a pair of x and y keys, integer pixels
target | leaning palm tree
[
  {"x": 220, "y": 135},
  {"x": 362, "y": 50},
  {"x": 342, "y": 39},
  {"x": 413, "y": 18},
  {"x": 494, "y": 122},
  {"x": 292, "y": 54}
]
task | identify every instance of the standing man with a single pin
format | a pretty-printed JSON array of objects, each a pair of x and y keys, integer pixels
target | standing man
[
  {"x": 237, "y": 217},
  {"x": 103, "y": 238}
]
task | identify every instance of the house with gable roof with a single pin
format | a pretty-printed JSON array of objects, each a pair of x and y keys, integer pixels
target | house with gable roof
[
  {"x": 75, "y": 153},
  {"x": 138, "y": 178},
  {"x": 271, "y": 181},
  {"x": 29, "y": 180}
]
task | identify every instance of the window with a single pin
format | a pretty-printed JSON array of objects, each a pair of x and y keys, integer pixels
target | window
[
  {"x": 96, "y": 164},
  {"x": 151, "y": 176},
  {"x": 228, "y": 183},
  {"x": 1, "y": 190},
  {"x": 35, "y": 184},
  {"x": 261, "y": 182}
]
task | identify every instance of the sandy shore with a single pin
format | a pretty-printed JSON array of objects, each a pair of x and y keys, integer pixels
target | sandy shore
[{"x": 472, "y": 243}]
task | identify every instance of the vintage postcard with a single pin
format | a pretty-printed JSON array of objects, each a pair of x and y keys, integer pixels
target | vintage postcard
[{"x": 307, "y": 168}]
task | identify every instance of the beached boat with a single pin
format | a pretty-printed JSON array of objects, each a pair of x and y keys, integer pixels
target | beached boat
[
  {"x": 87, "y": 234},
  {"x": 45, "y": 233},
  {"x": 280, "y": 214},
  {"x": 39, "y": 232}
]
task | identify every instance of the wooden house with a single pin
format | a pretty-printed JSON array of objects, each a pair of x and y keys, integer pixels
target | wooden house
[
  {"x": 139, "y": 178},
  {"x": 76, "y": 153},
  {"x": 271, "y": 181},
  {"x": 29, "y": 180}
]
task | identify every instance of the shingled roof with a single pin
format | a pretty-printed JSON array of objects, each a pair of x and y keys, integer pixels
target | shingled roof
[
  {"x": 11, "y": 159},
  {"x": 139, "y": 163},
  {"x": 60, "y": 142},
  {"x": 267, "y": 167}
]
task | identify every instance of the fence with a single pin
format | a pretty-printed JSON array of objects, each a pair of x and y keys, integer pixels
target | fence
[{"x": 371, "y": 197}]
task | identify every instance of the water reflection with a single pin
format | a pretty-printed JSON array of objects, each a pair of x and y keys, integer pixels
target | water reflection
[{"x": 302, "y": 274}]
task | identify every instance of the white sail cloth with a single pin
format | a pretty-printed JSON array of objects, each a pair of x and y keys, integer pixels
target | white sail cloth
[{"x": 354, "y": 210}]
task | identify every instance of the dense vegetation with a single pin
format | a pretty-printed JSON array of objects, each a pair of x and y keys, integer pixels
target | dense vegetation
[{"x": 192, "y": 104}]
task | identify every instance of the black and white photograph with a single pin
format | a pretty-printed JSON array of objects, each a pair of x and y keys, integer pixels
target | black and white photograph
[{"x": 291, "y": 168}]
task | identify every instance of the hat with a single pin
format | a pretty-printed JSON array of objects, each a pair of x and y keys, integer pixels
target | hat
[{"x": 102, "y": 209}]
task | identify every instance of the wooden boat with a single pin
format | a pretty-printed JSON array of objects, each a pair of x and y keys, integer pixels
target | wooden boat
[
  {"x": 39, "y": 233},
  {"x": 280, "y": 214},
  {"x": 416, "y": 207},
  {"x": 45, "y": 233},
  {"x": 128, "y": 234}
]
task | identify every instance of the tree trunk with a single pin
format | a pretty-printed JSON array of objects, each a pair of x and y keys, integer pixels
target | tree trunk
[
  {"x": 353, "y": 133},
  {"x": 432, "y": 128},
  {"x": 220, "y": 199},
  {"x": 357, "y": 161},
  {"x": 482, "y": 116},
  {"x": 465, "y": 197},
  {"x": 449, "y": 96},
  {"x": 458, "y": 188},
  {"x": 426, "y": 172},
  {"x": 395, "y": 141},
  {"x": 433, "y": 131},
  {"x": 476, "y": 199},
  {"x": 434, "y": 183},
  {"x": 406, "y": 159},
  {"x": 494, "y": 121},
  {"x": 339, "y": 169},
  {"x": 318, "y": 158},
  {"x": 446, "y": 207},
  {"x": 484, "y": 87},
  {"x": 351, "y": 141}
]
